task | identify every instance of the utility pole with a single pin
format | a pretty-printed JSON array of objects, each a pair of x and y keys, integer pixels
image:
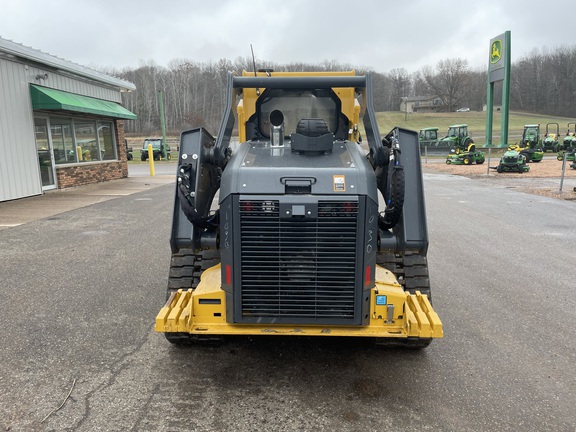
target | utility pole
[
  {"x": 406, "y": 108},
  {"x": 162, "y": 123}
]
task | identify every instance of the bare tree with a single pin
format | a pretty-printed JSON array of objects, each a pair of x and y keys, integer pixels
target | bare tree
[
  {"x": 401, "y": 84},
  {"x": 194, "y": 93},
  {"x": 446, "y": 81}
]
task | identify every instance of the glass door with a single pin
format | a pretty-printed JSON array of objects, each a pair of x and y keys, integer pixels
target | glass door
[{"x": 45, "y": 153}]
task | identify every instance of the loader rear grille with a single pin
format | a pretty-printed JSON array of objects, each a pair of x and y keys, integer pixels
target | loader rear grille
[{"x": 298, "y": 269}]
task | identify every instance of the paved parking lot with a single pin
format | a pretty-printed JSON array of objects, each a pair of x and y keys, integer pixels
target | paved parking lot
[{"x": 80, "y": 290}]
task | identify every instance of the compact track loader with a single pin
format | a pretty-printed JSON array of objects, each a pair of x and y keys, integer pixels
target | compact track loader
[{"x": 284, "y": 234}]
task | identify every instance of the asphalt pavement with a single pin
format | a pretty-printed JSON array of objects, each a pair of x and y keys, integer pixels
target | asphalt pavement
[{"x": 80, "y": 290}]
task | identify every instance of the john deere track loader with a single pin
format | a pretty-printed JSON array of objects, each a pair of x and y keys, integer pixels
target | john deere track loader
[{"x": 284, "y": 234}]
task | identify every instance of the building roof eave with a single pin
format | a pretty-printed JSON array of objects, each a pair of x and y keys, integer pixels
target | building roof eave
[{"x": 20, "y": 51}]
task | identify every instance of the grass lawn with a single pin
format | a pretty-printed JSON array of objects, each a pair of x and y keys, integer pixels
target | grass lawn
[{"x": 476, "y": 121}]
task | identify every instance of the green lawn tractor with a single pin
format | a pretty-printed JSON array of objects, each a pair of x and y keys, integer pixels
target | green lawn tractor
[
  {"x": 159, "y": 150},
  {"x": 531, "y": 144},
  {"x": 569, "y": 140},
  {"x": 428, "y": 138},
  {"x": 458, "y": 139},
  {"x": 461, "y": 146},
  {"x": 550, "y": 141},
  {"x": 512, "y": 161},
  {"x": 568, "y": 145}
]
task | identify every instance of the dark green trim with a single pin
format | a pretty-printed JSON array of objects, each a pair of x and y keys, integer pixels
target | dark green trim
[{"x": 44, "y": 98}]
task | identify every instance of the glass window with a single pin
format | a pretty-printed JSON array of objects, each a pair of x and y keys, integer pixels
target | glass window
[
  {"x": 106, "y": 141},
  {"x": 86, "y": 141},
  {"x": 297, "y": 105},
  {"x": 77, "y": 140},
  {"x": 62, "y": 140},
  {"x": 156, "y": 143}
]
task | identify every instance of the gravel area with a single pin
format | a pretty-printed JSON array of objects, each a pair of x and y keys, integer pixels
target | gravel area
[{"x": 542, "y": 179}]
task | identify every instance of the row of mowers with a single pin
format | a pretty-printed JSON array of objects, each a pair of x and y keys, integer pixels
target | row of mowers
[
  {"x": 514, "y": 160},
  {"x": 566, "y": 147},
  {"x": 531, "y": 148},
  {"x": 552, "y": 141}
]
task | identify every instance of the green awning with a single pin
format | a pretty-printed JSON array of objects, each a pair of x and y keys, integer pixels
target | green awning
[{"x": 49, "y": 99}]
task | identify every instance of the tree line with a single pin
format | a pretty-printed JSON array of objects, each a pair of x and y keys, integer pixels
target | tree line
[{"x": 543, "y": 82}]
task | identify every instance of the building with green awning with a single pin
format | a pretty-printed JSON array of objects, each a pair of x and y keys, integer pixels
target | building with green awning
[
  {"x": 44, "y": 98},
  {"x": 64, "y": 125}
]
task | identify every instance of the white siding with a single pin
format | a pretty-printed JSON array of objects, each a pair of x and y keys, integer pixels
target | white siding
[{"x": 19, "y": 171}]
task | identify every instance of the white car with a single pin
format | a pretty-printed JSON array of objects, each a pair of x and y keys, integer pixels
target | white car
[{"x": 465, "y": 109}]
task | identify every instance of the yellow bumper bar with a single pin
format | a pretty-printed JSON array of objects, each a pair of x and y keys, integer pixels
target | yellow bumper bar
[{"x": 393, "y": 313}]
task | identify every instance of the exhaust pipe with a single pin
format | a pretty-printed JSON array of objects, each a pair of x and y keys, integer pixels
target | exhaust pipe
[{"x": 277, "y": 131}]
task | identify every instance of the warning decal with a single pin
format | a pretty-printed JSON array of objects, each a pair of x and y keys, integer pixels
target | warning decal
[{"x": 339, "y": 183}]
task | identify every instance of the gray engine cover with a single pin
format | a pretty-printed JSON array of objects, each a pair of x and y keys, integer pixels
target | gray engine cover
[{"x": 258, "y": 168}]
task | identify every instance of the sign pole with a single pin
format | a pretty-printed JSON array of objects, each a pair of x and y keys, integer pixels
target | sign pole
[{"x": 498, "y": 70}]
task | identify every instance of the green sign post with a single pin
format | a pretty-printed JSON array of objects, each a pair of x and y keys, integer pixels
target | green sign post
[{"x": 498, "y": 70}]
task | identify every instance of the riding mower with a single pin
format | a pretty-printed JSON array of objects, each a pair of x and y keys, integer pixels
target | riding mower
[
  {"x": 569, "y": 139},
  {"x": 462, "y": 147},
  {"x": 465, "y": 158},
  {"x": 513, "y": 160},
  {"x": 550, "y": 141},
  {"x": 531, "y": 144},
  {"x": 428, "y": 138},
  {"x": 569, "y": 146}
]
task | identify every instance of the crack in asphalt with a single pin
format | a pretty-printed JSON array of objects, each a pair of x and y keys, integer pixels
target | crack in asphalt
[{"x": 115, "y": 369}]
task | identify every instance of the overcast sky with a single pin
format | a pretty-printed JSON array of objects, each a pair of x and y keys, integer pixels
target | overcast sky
[{"x": 377, "y": 34}]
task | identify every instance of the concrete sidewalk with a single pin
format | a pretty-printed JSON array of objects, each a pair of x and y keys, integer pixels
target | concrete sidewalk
[{"x": 25, "y": 210}]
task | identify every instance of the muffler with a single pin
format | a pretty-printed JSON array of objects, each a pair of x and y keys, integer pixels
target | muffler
[{"x": 277, "y": 128}]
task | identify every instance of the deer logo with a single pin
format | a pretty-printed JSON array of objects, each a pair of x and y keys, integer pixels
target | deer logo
[{"x": 496, "y": 51}]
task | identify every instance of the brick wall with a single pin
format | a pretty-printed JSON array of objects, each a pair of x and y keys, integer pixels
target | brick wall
[{"x": 95, "y": 172}]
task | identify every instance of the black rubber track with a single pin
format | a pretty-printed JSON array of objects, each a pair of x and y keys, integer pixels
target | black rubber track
[
  {"x": 411, "y": 270},
  {"x": 186, "y": 267}
]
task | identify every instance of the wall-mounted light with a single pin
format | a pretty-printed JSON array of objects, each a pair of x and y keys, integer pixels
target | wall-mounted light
[{"x": 43, "y": 76}]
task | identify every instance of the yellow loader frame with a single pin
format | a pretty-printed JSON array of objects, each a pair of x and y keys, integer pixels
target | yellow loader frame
[{"x": 394, "y": 313}]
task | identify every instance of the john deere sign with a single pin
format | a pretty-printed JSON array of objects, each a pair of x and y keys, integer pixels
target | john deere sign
[
  {"x": 498, "y": 57},
  {"x": 498, "y": 70},
  {"x": 496, "y": 51}
]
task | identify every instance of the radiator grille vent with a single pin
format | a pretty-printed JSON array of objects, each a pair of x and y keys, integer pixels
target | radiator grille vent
[{"x": 298, "y": 267}]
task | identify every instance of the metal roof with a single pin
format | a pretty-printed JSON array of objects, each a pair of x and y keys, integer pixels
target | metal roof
[
  {"x": 23, "y": 52},
  {"x": 417, "y": 98}
]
